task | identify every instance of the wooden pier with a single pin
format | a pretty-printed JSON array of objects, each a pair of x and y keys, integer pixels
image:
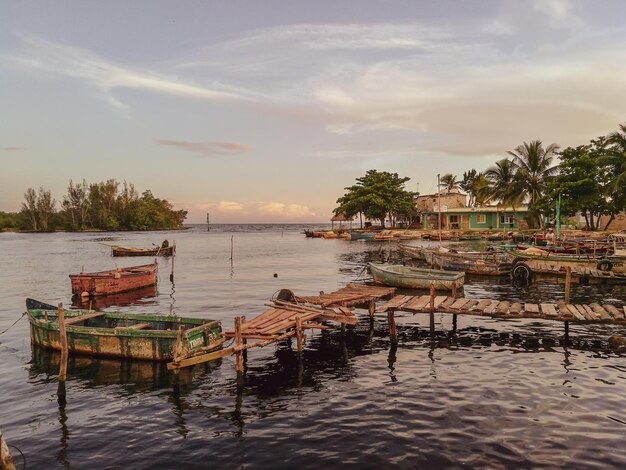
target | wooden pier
[
  {"x": 504, "y": 309},
  {"x": 287, "y": 317},
  {"x": 580, "y": 275}
]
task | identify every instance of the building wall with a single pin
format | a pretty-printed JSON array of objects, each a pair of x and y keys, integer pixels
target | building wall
[
  {"x": 618, "y": 224},
  {"x": 428, "y": 202},
  {"x": 472, "y": 220}
]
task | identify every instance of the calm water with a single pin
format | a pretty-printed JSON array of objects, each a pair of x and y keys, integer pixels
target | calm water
[{"x": 497, "y": 394}]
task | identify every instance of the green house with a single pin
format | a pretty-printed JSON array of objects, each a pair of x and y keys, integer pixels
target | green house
[{"x": 476, "y": 218}]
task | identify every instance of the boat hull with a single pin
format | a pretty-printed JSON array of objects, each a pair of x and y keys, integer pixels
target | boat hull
[
  {"x": 612, "y": 263},
  {"x": 361, "y": 236},
  {"x": 121, "y": 341},
  {"x": 157, "y": 251},
  {"x": 111, "y": 282},
  {"x": 416, "y": 278},
  {"x": 485, "y": 265}
]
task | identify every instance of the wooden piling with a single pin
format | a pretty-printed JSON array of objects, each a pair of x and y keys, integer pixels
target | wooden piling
[
  {"x": 454, "y": 291},
  {"x": 566, "y": 328},
  {"x": 231, "y": 246},
  {"x": 391, "y": 321},
  {"x": 371, "y": 308},
  {"x": 63, "y": 341},
  {"x": 432, "y": 298},
  {"x": 454, "y": 322},
  {"x": 299, "y": 333},
  {"x": 568, "y": 283},
  {"x": 238, "y": 344},
  {"x": 173, "y": 258}
]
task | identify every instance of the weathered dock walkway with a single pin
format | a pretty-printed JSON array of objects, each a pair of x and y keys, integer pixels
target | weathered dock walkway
[
  {"x": 559, "y": 311},
  {"x": 287, "y": 317},
  {"x": 581, "y": 275}
]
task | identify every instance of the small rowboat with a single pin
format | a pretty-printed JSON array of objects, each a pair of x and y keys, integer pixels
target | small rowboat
[
  {"x": 415, "y": 252},
  {"x": 126, "y": 335},
  {"x": 397, "y": 275},
  {"x": 155, "y": 251},
  {"x": 480, "y": 263},
  {"x": 362, "y": 235},
  {"x": 113, "y": 281}
]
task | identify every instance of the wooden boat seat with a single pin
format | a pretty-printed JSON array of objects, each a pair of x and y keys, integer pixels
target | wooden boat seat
[
  {"x": 136, "y": 326},
  {"x": 81, "y": 318}
]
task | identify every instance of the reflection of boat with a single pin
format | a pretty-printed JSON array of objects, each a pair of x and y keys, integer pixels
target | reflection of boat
[
  {"x": 133, "y": 336},
  {"x": 481, "y": 263},
  {"x": 362, "y": 235},
  {"x": 397, "y": 275},
  {"x": 121, "y": 299},
  {"x": 114, "y": 280},
  {"x": 154, "y": 251}
]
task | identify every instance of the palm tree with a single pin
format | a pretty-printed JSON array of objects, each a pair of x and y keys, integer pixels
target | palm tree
[
  {"x": 481, "y": 190},
  {"x": 533, "y": 164},
  {"x": 616, "y": 156},
  {"x": 505, "y": 185},
  {"x": 449, "y": 182}
]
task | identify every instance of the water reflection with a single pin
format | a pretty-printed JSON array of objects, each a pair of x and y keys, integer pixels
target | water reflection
[{"x": 143, "y": 296}]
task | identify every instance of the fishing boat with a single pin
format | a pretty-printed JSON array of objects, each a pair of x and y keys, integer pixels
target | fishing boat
[
  {"x": 397, "y": 275},
  {"x": 533, "y": 258},
  {"x": 114, "y": 280},
  {"x": 482, "y": 263},
  {"x": 154, "y": 251},
  {"x": 125, "y": 335},
  {"x": 362, "y": 235}
]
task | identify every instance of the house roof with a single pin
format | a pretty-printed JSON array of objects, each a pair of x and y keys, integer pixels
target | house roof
[
  {"x": 479, "y": 210},
  {"x": 341, "y": 218}
]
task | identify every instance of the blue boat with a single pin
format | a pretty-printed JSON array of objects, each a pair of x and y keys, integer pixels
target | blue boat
[{"x": 362, "y": 235}]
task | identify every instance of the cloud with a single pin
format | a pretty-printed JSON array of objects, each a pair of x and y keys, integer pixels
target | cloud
[
  {"x": 39, "y": 55},
  {"x": 560, "y": 13},
  {"x": 10, "y": 149},
  {"x": 284, "y": 211},
  {"x": 208, "y": 149}
]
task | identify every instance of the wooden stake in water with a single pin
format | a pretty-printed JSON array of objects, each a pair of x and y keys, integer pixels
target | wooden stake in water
[
  {"x": 173, "y": 258},
  {"x": 568, "y": 283},
  {"x": 208, "y": 223},
  {"x": 63, "y": 341},
  {"x": 238, "y": 344},
  {"x": 231, "y": 247}
]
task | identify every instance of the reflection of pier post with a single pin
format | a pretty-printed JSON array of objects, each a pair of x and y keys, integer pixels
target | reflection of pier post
[{"x": 391, "y": 321}]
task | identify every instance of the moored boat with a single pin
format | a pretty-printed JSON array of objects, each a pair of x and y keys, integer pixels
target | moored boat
[
  {"x": 126, "y": 335},
  {"x": 362, "y": 235},
  {"x": 397, "y": 275},
  {"x": 479, "y": 263},
  {"x": 415, "y": 252},
  {"x": 154, "y": 251},
  {"x": 534, "y": 257},
  {"x": 114, "y": 280}
]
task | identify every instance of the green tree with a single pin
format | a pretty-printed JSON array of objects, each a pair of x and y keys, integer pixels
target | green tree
[
  {"x": 467, "y": 184},
  {"x": 377, "y": 195},
  {"x": 29, "y": 208},
  {"x": 45, "y": 208},
  {"x": 534, "y": 168},
  {"x": 481, "y": 190},
  {"x": 76, "y": 204}
]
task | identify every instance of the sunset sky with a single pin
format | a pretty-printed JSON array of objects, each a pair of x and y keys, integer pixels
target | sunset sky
[{"x": 263, "y": 111}]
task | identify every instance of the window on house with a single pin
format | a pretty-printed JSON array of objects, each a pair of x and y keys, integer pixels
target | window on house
[
  {"x": 506, "y": 219},
  {"x": 481, "y": 219}
]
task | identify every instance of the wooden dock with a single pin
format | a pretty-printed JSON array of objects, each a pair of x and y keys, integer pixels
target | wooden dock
[
  {"x": 581, "y": 275},
  {"x": 504, "y": 309},
  {"x": 288, "y": 316}
]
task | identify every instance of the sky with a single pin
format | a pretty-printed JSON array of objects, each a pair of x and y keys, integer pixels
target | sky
[{"x": 264, "y": 111}]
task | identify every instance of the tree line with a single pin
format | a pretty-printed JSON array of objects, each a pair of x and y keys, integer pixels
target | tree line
[
  {"x": 107, "y": 205},
  {"x": 589, "y": 180}
]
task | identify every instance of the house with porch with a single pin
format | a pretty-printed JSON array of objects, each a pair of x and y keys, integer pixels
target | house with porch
[{"x": 476, "y": 218}]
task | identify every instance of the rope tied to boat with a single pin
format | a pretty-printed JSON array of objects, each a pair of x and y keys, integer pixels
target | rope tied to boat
[{"x": 3, "y": 332}]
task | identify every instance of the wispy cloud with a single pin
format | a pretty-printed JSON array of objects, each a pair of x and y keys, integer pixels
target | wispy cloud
[
  {"x": 208, "y": 149},
  {"x": 560, "y": 13},
  {"x": 232, "y": 211},
  {"x": 10, "y": 149},
  {"x": 37, "y": 54}
]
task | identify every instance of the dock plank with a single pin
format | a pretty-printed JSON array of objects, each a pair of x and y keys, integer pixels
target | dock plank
[
  {"x": 469, "y": 305},
  {"x": 491, "y": 308},
  {"x": 458, "y": 304},
  {"x": 614, "y": 311},
  {"x": 548, "y": 309},
  {"x": 531, "y": 308},
  {"x": 418, "y": 302},
  {"x": 439, "y": 300},
  {"x": 515, "y": 308}
]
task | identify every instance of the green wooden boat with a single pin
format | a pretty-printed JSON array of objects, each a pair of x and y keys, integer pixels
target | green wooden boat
[
  {"x": 125, "y": 335},
  {"x": 397, "y": 275}
]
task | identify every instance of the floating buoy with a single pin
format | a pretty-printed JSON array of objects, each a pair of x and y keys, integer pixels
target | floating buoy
[
  {"x": 275, "y": 274},
  {"x": 84, "y": 294}
]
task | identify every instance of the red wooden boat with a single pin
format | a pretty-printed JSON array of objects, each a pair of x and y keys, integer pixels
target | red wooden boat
[{"x": 113, "y": 281}]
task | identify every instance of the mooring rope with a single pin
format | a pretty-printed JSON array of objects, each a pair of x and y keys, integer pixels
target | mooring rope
[
  {"x": 13, "y": 324},
  {"x": 21, "y": 453}
]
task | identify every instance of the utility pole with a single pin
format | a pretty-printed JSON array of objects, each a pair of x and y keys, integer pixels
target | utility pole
[{"x": 439, "y": 204}]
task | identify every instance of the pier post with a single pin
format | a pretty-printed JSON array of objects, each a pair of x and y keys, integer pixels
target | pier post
[
  {"x": 63, "y": 341},
  {"x": 566, "y": 329},
  {"x": 454, "y": 291},
  {"x": 454, "y": 320},
  {"x": 568, "y": 283},
  {"x": 299, "y": 332},
  {"x": 238, "y": 344},
  {"x": 173, "y": 257},
  {"x": 432, "y": 308},
  {"x": 371, "y": 308},
  {"x": 391, "y": 321}
]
